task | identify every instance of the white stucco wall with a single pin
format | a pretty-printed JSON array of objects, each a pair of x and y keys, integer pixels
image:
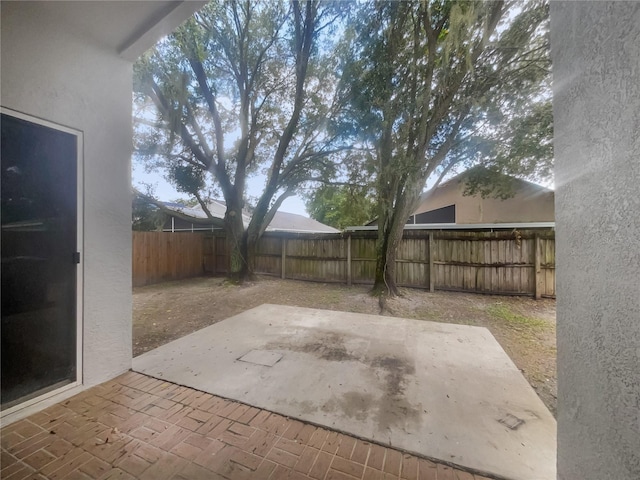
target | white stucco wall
[
  {"x": 55, "y": 74},
  {"x": 596, "y": 69}
]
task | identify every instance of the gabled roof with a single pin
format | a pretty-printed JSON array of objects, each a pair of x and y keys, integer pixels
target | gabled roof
[
  {"x": 461, "y": 177},
  {"x": 291, "y": 222},
  {"x": 282, "y": 221}
]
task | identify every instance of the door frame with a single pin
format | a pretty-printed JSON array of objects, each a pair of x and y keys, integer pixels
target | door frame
[{"x": 79, "y": 248}]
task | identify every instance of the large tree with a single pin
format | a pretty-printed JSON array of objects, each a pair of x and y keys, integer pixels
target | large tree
[
  {"x": 436, "y": 83},
  {"x": 244, "y": 87}
]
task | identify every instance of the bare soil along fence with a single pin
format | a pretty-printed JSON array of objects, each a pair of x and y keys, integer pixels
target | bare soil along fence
[{"x": 511, "y": 262}]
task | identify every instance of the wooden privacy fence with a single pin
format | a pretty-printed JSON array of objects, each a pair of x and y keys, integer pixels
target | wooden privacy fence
[
  {"x": 159, "y": 256},
  {"x": 500, "y": 262}
]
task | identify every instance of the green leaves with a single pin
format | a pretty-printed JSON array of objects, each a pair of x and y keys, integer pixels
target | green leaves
[
  {"x": 145, "y": 216},
  {"x": 341, "y": 206},
  {"x": 187, "y": 178}
]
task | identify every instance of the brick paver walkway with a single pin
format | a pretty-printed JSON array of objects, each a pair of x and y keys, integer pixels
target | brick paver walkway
[{"x": 138, "y": 427}]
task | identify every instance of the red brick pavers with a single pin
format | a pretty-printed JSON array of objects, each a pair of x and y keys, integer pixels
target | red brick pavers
[{"x": 138, "y": 427}]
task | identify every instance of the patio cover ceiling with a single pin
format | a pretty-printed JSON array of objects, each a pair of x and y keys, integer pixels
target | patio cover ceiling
[{"x": 128, "y": 28}]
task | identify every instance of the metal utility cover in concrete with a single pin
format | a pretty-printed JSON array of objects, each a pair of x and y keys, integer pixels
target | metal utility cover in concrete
[
  {"x": 447, "y": 392},
  {"x": 261, "y": 357}
]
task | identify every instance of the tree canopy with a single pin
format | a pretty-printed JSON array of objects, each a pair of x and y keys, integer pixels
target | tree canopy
[
  {"x": 243, "y": 87},
  {"x": 435, "y": 84},
  {"x": 412, "y": 90}
]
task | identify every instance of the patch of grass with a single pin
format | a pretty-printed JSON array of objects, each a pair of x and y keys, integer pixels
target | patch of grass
[
  {"x": 428, "y": 313},
  {"x": 503, "y": 312},
  {"x": 331, "y": 296}
]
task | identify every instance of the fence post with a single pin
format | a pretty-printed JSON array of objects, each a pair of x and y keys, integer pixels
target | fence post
[
  {"x": 284, "y": 256},
  {"x": 227, "y": 252},
  {"x": 214, "y": 263},
  {"x": 349, "y": 260},
  {"x": 536, "y": 268},
  {"x": 432, "y": 280}
]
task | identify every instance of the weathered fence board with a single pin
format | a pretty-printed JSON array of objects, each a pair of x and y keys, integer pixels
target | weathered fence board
[
  {"x": 160, "y": 256},
  {"x": 500, "y": 262}
]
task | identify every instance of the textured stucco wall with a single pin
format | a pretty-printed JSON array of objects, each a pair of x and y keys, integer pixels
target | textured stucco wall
[
  {"x": 56, "y": 75},
  {"x": 596, "y": 68}
]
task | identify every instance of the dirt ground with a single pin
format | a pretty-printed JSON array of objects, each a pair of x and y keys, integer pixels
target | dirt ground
[{"x": 525, "y": 328}]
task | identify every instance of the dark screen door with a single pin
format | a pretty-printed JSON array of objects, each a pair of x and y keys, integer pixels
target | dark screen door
[{"x": 39, "y": 237}]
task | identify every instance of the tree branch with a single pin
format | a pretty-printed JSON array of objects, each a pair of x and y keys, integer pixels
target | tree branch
[
  {"x": 220, "y": 166},
  {"x": 268, "y": 217},
  {"x": 163, "y": 106}
]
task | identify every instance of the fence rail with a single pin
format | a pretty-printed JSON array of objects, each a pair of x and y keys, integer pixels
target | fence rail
[{"x": 501, "y": 262}]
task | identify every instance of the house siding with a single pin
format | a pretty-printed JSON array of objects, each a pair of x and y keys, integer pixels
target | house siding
[{"x": 529, "y": 204}]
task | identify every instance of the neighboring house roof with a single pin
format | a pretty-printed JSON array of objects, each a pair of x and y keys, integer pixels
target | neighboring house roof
[
  {"x": 282, "y": 221},
  {"x": 197, "y": 214}
]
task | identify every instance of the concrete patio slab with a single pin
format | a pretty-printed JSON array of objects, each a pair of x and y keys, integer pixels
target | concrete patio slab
[{"x": 447, "y": 392}]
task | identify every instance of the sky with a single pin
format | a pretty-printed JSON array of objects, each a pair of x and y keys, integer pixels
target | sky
[{"x": 164, "y": 190}]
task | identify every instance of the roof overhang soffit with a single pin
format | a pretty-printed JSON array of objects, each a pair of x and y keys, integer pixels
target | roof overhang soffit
[{"x": 166, "y": 18}]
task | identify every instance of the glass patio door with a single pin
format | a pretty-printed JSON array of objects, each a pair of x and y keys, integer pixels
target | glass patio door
[{"x": 39, "y": 258}]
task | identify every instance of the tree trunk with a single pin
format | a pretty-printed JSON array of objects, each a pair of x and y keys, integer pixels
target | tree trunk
[
  {"x": 394, "y": 212},
  {"x": 237, "y": 243},
  {"x": 252, "y": 246},
  {"x": 389, "y": 237}
]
